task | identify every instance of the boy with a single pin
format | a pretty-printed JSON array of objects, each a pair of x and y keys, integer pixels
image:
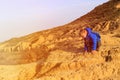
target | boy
[{"x": 92, "y": 40}]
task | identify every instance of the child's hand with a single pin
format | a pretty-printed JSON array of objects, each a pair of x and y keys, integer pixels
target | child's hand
[
  {"x": 85, "y": 52},
  {"x": 94, "y": 52}
]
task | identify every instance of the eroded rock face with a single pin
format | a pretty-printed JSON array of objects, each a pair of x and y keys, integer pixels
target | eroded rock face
[
  {"x": 65, "y": 63},
  {"x": 57, "y": 54}
]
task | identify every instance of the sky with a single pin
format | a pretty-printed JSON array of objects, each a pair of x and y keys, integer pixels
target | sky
[{"x": 22, "y": 17}]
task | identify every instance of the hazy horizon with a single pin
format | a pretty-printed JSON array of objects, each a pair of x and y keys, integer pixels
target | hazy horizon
[{"x": 22, "y": 17}]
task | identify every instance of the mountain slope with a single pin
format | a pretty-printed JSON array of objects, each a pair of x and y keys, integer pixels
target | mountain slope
[
  {"x": 56, "y": 54},
  {"x": 105, "y": 17}
]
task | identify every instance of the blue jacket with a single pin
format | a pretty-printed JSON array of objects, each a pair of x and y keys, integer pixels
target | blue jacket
[{"x": 92, "y": 37}]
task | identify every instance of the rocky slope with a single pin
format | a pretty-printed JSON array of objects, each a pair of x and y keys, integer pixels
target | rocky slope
[{"x": 56, "y": 54}]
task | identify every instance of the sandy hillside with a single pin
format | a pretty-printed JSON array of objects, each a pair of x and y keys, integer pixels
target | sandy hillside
[{"x": 57, "y": 54}]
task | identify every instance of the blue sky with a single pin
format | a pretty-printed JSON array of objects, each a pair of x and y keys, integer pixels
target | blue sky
[{"x": 21, "y": 17}]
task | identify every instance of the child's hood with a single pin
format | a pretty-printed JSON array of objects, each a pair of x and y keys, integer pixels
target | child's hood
[{"x": 88, "y": 30}]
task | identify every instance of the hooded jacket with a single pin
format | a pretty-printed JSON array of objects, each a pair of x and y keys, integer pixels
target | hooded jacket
[{"x": 92, "y": 38}]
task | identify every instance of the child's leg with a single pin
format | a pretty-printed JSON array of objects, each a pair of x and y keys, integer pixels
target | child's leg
[
  {"x": 90, "y": 48},
  {"x": 98, "y": 45}
]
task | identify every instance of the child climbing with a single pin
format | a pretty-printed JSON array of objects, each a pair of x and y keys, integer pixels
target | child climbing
[{"x": 92, "y": 40}]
